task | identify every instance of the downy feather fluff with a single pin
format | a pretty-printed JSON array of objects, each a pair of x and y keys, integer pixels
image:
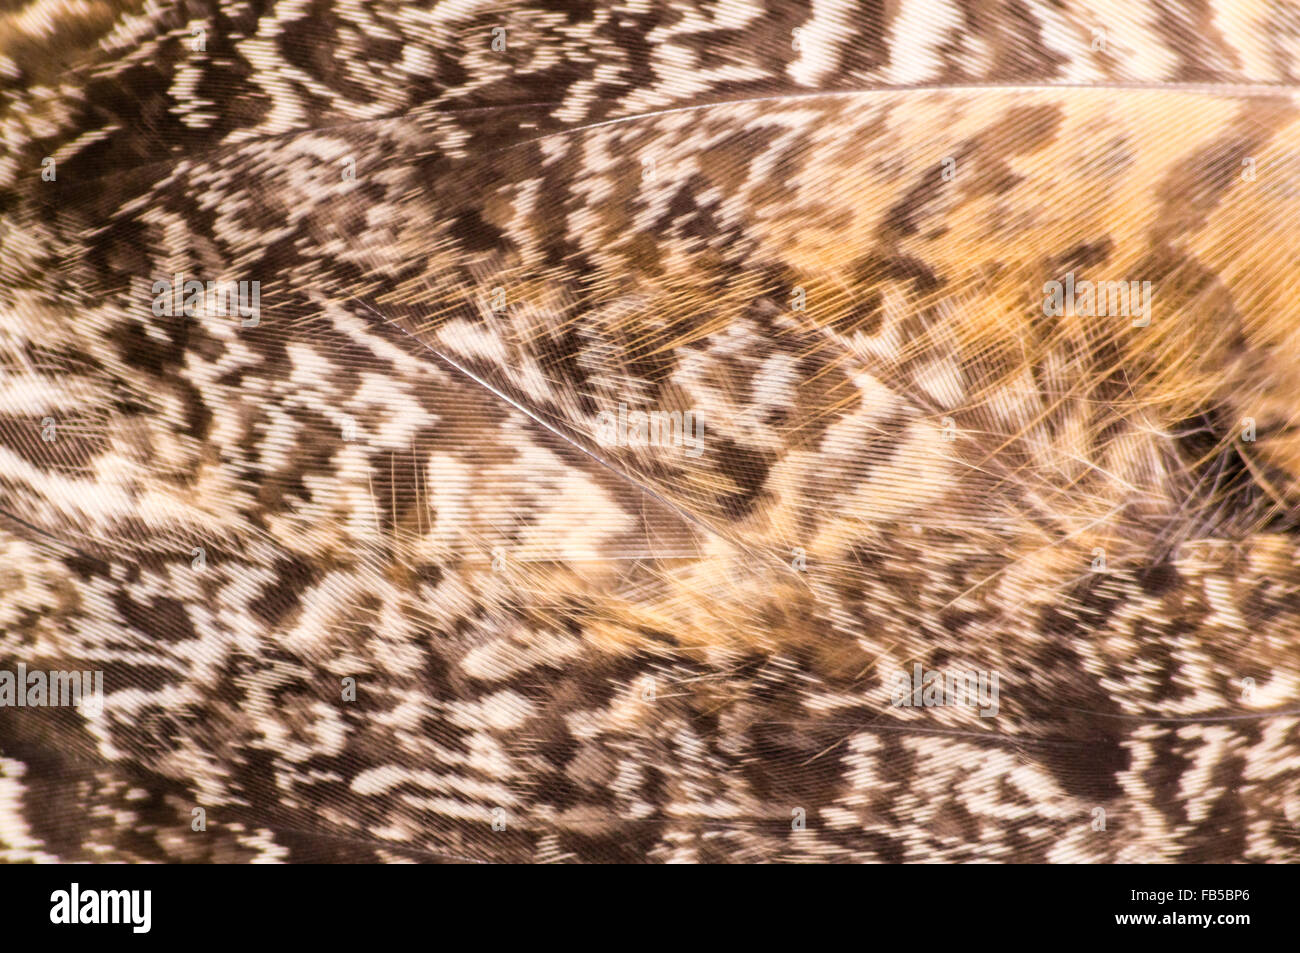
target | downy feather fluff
[{"x": 389, "y": 566}]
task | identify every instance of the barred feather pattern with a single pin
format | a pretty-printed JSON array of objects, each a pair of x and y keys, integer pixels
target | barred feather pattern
[{"x": 823, "y": 227}]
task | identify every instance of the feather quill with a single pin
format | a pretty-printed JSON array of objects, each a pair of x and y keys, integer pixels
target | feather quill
[{"x": 419, "y": 557}]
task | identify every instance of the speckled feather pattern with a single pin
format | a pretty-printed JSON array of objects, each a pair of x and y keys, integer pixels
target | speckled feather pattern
[{"x": 481, "y": 228}]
